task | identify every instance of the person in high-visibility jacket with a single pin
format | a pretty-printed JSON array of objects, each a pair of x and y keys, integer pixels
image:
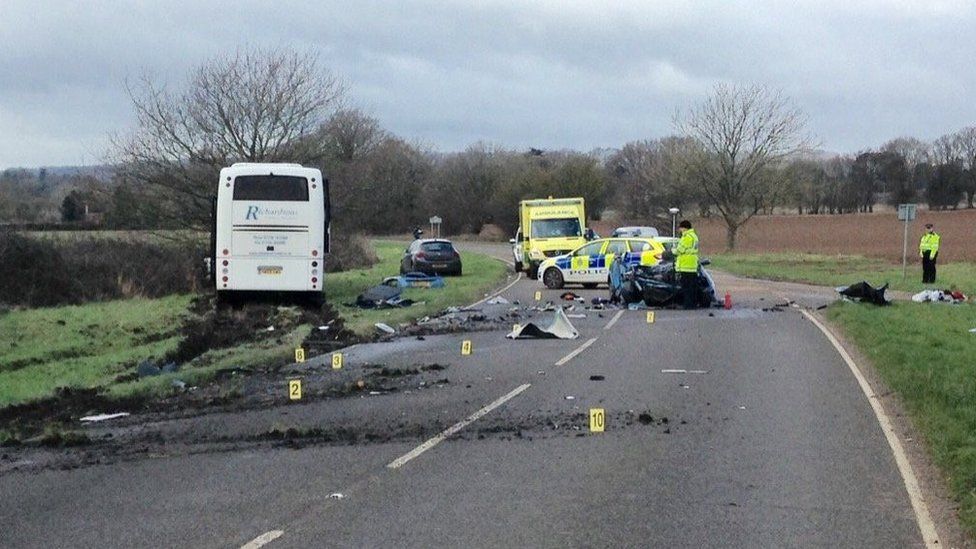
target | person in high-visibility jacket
[
  {"x": 928, "y": 248},
  {"x": 686, "y": 263}
]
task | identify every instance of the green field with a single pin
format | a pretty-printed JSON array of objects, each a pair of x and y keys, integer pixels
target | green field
[
  {"x": 827, "y": 270},
  {"x": 481, "y": 273},
  {"x": 82, "y": 346},
  {"x": 925, "y": 353},
  {"x": 91, "y": 345}
]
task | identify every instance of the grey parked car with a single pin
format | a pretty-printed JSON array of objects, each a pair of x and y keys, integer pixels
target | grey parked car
[{"x": 431, "y": 256}]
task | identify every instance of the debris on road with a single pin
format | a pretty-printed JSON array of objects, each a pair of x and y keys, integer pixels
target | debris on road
[
  {"x": 559, "y": 328},
  {"x": 597, "y": 378},
  {"x": 103, "y": 417},
  {"x": 385, "y": 328},
  {"x": 499, "y": 300},
  {"x": 865, "y": 293},
  {"x": 336, "y": 495},
  {"x": 570, "y": 397}
]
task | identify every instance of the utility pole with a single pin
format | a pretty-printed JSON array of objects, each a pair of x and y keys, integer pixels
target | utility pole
[{"x": 906, "y": 213}]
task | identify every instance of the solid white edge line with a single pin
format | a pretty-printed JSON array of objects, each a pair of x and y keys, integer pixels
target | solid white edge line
[
  {"x": 929, "y": 535},
  {"x": 499, "y": 292},
  {"x": 405, "y": 458},
  {"x": 613, "y": 320},
  {"x": 578, "y": 350},
  {"x": 263, "y": 539}
]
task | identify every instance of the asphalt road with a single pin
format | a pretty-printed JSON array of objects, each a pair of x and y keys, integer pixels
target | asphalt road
[{"x": 765, "y": 441}]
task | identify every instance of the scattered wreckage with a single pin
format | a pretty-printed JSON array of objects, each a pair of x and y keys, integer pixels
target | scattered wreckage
[{"x": 657, "y": 285}]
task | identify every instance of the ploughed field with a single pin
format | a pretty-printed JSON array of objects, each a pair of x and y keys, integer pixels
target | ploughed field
[{"x": 873, "y": 235}]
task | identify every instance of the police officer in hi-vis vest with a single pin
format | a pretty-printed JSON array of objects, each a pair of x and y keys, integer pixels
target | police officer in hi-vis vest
[
  {"x": 928, "y": 248},
  {"x": 686, "y": 264}
]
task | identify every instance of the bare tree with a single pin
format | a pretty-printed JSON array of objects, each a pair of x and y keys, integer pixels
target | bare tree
[
  {"x": 649, "y": 178},
  {"x": 966, "y": 143},
  {"x": 740, "y": 131},
  {"x": 352, "y": 134},
  {"x": 254, "y": 105}
]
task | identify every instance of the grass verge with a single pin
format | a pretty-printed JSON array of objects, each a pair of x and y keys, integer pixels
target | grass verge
[
  {"x": 925, "y": 353},
  {"x": 481, "y": 274},
  {"x": 841, "y": 270},
  {"x": 84, "y": 345},
  {"x": 97, "y": 345}
]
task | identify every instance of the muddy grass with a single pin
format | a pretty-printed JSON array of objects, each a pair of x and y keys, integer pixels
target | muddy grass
[{"x": 206, "y": 329}]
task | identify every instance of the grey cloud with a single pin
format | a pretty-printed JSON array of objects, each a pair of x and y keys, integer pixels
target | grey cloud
[{"x": 548, "y": 74}]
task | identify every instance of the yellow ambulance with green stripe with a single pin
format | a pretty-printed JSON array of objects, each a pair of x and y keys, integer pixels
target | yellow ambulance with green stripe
[{"x": 548, "y": 227}]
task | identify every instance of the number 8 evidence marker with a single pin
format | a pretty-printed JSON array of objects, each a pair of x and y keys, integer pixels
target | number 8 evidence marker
[
  {"x": 650, "y": 317},
  {"x": 299, "y": 355},
  {"x": 295, "y": 389},
  {"x": 538, "y": 295},
  {"x": 598, "y": 420}
]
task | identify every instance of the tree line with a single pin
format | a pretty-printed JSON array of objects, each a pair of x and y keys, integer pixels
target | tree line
[{"x": 742, "y": 151}]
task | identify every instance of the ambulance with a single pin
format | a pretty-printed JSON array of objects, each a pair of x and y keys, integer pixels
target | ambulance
[{"x": 548, "y": 227}]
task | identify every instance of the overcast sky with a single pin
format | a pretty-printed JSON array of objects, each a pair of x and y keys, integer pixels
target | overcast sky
[{"x": 555, "y": 74}]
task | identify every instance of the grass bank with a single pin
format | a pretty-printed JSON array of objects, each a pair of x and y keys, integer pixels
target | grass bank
[
  {"x": 99, "y": 344},
  {"x": 84, "y": 345},
  {"x": 481, "y": 274},
  {"x": 841, "y": 270},
  {"x": 925, "y": 353}
]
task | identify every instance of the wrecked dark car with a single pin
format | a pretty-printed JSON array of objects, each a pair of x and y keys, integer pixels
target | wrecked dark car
[{"x": 657, "y": 285}]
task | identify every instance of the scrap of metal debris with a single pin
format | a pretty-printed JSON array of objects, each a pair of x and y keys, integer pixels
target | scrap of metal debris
[
  {"x": 336, "y": 495},
  {"x": 558, "y": 328}
]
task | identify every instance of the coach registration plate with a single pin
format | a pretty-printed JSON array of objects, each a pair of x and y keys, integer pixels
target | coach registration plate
[{"x": 269, "y": 270}]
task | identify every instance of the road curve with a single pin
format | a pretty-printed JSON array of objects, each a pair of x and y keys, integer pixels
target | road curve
[{"x": 740, "y": 428}]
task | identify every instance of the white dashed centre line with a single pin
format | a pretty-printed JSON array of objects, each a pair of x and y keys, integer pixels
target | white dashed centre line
[
  {"x": 263, "y": 539},
  {"x": 613, "y": 320},
  {"x": 579, "y": 350},
  {"x": 404, "y": 459}
]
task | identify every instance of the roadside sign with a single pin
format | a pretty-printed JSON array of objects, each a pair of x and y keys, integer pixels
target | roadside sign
[
  {"x": 598, "y": 420},
  {"x": 466, "y": 347},
  {"x": 336, "y": 361},
  {"x": 650, "y": 317},
  {"x": 435, "y": 226},
  {"x": 906, "y": 212},
  {"x": 299, "y": 355},
  {"x": 295, "y": 389}
]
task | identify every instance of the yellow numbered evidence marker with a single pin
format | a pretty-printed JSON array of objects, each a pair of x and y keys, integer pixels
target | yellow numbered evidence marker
[
  {"x": 538, "y": 296},
  {"x": 336, "y": 361},
  {"x": 299, "y": 355},
  {"x": 466, "y": 347},
  {"x": 295, "y": 389},
  {"x": 598, "y": 420},
  {"x": 650, "y": 317}
]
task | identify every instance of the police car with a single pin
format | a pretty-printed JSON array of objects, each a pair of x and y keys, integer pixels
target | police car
[{"x": 589, "y": 264}]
